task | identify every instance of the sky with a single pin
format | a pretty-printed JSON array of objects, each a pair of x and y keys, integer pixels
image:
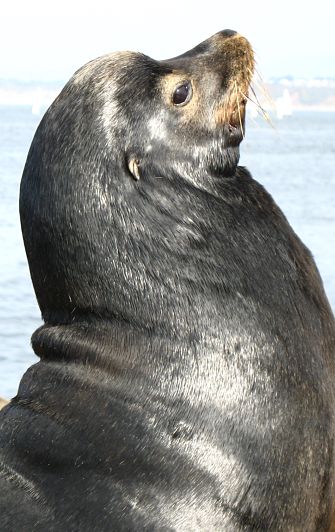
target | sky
[{"x": 48, "y": 40}]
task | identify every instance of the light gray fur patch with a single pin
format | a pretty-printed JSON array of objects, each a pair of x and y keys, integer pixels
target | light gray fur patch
[{"x": 157, "y": 126}]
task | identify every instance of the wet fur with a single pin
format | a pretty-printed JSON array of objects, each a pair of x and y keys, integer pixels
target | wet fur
[{"x": 186, "y": 379}]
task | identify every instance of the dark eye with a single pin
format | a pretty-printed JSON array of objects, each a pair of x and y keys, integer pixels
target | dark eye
[{"x": 182, "y": 93}]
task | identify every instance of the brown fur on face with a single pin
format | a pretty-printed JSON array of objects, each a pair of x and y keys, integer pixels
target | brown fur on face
[
  {"x": 242, "y": 65},
  {"x": 237, "y": 58}
]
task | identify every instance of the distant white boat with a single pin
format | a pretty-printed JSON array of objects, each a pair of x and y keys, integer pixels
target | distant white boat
[{"x": 284, "y": 105}]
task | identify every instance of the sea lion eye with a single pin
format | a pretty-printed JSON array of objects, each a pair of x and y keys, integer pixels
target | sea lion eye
[{"x": 182, "y": 93}]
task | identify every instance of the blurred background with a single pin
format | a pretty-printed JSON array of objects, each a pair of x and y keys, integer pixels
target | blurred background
[{"x": 43, "y": 43}]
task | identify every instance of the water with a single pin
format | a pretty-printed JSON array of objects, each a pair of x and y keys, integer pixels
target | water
[{"x": 295, "y": 161}]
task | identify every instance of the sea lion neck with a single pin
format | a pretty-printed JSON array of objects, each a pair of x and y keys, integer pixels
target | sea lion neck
[
  {"x": 93, "y": 345},
  {"x": 110, "y": 345},
  {"x": 116, "y": 358}
]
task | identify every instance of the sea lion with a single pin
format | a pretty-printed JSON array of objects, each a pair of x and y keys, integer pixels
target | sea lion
[{"x": 186, "y": 376}]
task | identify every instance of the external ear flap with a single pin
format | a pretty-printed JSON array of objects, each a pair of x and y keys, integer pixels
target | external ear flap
[{"x": 133, "y": 168}]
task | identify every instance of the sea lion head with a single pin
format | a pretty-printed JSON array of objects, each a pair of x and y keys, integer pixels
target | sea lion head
[
  {"x": 106, "y": 195},
  {"x": 194, "y": 120}
]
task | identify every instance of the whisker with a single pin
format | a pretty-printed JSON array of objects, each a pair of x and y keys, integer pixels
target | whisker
[
  {"x": 265, "y": 115},
  {"x": 229, "y": 105},
  {"x": 239, "y": 110},
  {"x": 259, "y": 108},
  {"x": 255, "y": 102},
  {"x": 265, "y": 93},
  {"x": 260, "y": 83}
]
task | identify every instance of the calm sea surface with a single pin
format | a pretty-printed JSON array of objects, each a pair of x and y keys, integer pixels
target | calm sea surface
[{"x": 295, "y": 161}]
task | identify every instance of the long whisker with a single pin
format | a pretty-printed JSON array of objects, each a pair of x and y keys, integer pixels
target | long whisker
[
  {"x": 238, "y": 109},
  {"x": 260, "y": 84},
  {"x": 265, "y": 92},
  {"x": 228, "y": 106},
  {"x": 264, "y": 113}
]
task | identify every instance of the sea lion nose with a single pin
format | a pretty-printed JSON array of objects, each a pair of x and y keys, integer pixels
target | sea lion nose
[{"x": 228, "y": 33}]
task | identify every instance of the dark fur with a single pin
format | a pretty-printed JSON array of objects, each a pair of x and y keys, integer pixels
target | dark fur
[{"x": 186, "y": 379}]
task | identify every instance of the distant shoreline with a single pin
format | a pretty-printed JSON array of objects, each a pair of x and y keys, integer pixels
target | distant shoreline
[{"x": 277, "y": 96}]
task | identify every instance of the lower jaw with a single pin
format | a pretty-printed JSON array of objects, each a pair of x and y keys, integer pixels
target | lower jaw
[
  {"x": 234, "y": 133},
  {"x": 225, "y": 163}
]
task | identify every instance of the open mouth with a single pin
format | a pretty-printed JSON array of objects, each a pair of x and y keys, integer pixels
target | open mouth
[
  {"x": 236, "y": 112},
  {"x": 232, "y": 117},
  {"x": 233, "y": 135},
  {"x": 234, "y": 125}
]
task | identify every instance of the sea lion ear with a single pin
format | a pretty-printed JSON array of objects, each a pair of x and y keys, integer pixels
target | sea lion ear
[{"x": 133, "y": 167}]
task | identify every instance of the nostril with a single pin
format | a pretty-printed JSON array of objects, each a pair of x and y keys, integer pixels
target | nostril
[{"x": 228, "y": 33}]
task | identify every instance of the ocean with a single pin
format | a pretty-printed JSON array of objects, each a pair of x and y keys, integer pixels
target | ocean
[{"x": 294, "y": 159}]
